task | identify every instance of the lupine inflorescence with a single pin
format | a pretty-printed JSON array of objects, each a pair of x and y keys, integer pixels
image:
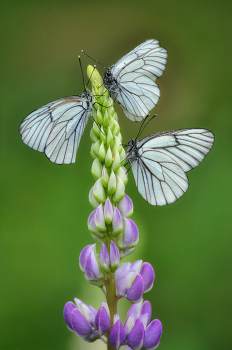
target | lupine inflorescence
[{"x": 110, "y": 225}]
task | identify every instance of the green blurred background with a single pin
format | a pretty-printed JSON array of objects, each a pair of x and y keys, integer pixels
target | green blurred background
[{"x": 44, "y": 207}]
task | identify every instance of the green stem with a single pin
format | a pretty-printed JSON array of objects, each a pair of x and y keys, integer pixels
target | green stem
[{"x": 111, "y": 298}]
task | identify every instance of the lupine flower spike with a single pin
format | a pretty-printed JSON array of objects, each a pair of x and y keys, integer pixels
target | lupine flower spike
[{"x": 109, "y": 224}]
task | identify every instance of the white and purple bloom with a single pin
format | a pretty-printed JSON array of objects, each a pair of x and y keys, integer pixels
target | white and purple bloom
[
  {"x": 139, "y": 332},
  {"x": 133, "y": 280}
]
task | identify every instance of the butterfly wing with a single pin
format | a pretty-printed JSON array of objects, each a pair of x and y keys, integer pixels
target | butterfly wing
[
  {"x": 57, "y": 127},
  {"x": 136, "y": 73},
  {"x": 163, "y": 159}
]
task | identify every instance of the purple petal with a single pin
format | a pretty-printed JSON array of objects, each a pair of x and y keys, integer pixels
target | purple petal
[
  {"x": 68, "y": 308},
  {"x": 123, "y": 268},
  {"x": 102, "y": 321},
  {"x": 126, "y": 206},
  {"x": 79, "y": 324},
  {"x": 146, "y": 309},
  {"x": 117, "y": 335},
  {"x": 91, "y": 267},
  {"x": 148, "y": 275},
  {"x": 92, "y": 225},
  {"x": 130, "y": 236},
  {"x": 135, "y": 292},
  {"x": 153, "y": 335},
  {"x": 136, "y": 335},
  {"x": 84, "y": 253}
]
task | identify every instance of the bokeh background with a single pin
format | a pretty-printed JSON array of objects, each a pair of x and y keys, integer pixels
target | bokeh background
[{"x": 44, "y": 207}]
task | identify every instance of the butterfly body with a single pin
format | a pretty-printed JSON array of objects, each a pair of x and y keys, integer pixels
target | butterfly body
[
  {"x": 57, "y": 127},
  {"x": 132, "y": 79},
  {"x": 160, "y": 161}
]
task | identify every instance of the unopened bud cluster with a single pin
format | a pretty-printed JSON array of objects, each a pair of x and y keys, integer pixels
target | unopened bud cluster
[{"x": 110, "y": 224}]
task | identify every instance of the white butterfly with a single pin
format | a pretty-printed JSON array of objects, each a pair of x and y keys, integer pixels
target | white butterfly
[
  {"x": 57, "y": 127},
  {"x": 159, "y": 162},
  {"x": 132, "y": 79}
]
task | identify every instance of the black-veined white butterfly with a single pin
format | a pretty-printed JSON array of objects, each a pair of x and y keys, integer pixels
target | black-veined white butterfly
[
  {"x": 132, "y": 79},
  {"x": 159, "y": 162},
  {"x": 57, "y": 127}
]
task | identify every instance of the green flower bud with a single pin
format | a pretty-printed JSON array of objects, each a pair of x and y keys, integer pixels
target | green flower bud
[
  {"x": 108, "y": 158},
  {"x": 117, "y": 145},
  {"x": 105, "y": 177},
  {"x": 116, "y": 128},
  {"x": 122, "y": 173},
  {"x": 94, "y": 76},
  {"x": 102, "y": 152},
  {"x": 99, "y": 191},
  {"x": 96, "y": 147},
  {"x": 111, "y": 124},
  {"x": 102, "y": 135},
  {"x": 96, "y": 129},
  {"x": 112, "y": 183},
  {"x": 92, "y": 152},
  {"x": 106, "y": 118},
  {"x": 120, "y": 191},
  {"x": 99, "y": 117},
  {"x": 96, "y": 169},
  {"x": 110, "y": 138},
  {"x": 116, "y": 163},
  {"x": 93, "y": 137},
  {"x": 123, "y": 157}
]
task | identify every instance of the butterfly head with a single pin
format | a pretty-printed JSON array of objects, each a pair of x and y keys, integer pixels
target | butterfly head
[
  {"x": 132, "y": 151},
  {"x": 109, "y": 80}
]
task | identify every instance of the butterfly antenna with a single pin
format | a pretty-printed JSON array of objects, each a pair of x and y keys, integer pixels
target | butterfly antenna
[
  {"x": 92, "y": 58},
  {"x": 94, "y": 67},
  {"x": 144, "y": 126},
  {"x": 82, "y": 72}
]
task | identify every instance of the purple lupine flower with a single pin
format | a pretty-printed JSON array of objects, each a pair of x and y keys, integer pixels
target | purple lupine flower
[
  {"x": 92, "y": 272},
  {"x": 117, "y": 222},
  {"x": 80, "y": 318},
  {"x": 129, "y": 238},
  {"x": 114, "y": 257},
  {"x": 142, "y": 311},
  {"x": 102, "y": 320},
  {"x": 84, "y": 253},
  {"x": 131, "y": 286},
  {"x": 123, "y": 268},
  {"x": 125, "y": 206},
  {"x": 117, "y": 335},
  {"x": 92, "y": 225},
  {"x": 136, "y": 336},
  {"x": 105, "y": 259}
]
